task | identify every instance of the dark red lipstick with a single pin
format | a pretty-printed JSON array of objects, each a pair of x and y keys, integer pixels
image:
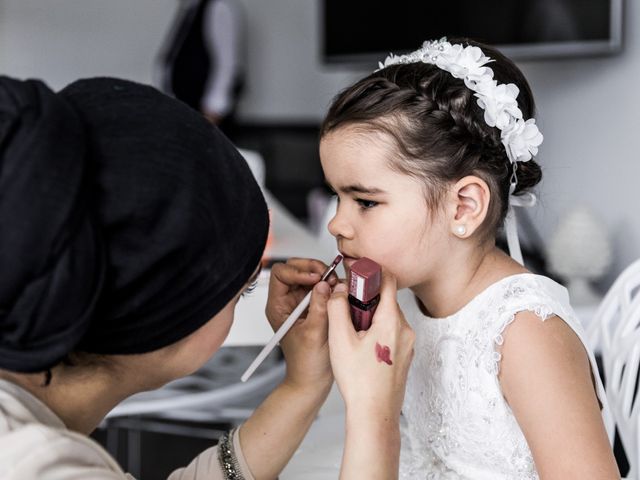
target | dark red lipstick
[
  {"x": 383, "y": 354},
  {"x": 364, "y": 291}
]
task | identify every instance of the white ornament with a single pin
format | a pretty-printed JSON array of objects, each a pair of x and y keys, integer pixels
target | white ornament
[{"x": 580, "y": 252}]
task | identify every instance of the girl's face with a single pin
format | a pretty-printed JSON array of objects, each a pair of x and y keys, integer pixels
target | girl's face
[{"x": 382, "y": 214}]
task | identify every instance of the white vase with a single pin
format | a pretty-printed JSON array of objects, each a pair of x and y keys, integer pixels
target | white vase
[{"x": 580, "y": 252}]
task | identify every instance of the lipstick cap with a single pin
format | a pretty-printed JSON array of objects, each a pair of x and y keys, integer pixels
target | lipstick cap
[{"x": 364, "y": 279}]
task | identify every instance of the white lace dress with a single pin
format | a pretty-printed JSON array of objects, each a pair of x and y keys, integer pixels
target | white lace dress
[{"x": 456, "y": 423}]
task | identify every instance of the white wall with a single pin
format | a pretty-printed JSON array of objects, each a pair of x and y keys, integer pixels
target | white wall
[
  {"x": 588, "y": 110},
  {"x": 62, "y": 40},
  {"x": 587, "y": 107},
  {"x": 287, "y": 79}
]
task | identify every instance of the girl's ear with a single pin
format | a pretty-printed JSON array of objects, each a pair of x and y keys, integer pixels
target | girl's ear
[{"x": 470, "y": 198}]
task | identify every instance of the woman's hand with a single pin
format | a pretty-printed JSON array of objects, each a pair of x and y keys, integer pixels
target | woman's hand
[
  {"x": 371, "y": 366},
  {"x": 274, "y": 431},
  {"x": 371, "y": 370},
  {"x": 305, "y": 346}
]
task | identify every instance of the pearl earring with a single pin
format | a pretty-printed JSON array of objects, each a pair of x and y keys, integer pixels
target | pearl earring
[{"x": 461, "y": 230}]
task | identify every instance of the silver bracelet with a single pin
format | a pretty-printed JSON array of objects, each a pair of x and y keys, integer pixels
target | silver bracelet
[{"x": 227, "y": 457}]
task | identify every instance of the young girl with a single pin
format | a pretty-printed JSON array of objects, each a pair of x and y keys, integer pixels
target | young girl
[{"x": 426, "y": 156}]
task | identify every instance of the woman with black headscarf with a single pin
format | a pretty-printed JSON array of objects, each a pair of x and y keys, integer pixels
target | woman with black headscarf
[{"x": 129, "y": 227}]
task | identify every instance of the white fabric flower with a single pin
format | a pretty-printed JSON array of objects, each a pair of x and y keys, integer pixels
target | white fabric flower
[
  {"x": 448, "y": 59},
  {"x": 466, "y": 63},
  {"x": 499, "y": 103},
  {"x": 522, "y": 140}
]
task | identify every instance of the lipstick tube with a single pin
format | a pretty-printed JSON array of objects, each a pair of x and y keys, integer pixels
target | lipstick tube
[{"x": 364, "y": 291}]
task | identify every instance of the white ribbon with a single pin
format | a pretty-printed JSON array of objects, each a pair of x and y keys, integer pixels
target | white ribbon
[{"x": 526, "y": 200}]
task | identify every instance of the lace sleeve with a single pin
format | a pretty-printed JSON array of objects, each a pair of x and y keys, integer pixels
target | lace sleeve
[{"x": 540, "y": 310}]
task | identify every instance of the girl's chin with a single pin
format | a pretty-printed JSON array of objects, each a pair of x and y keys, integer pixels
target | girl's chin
[{"x": 348, "y": 261}]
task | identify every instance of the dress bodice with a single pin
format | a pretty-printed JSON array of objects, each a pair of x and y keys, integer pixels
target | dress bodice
[{"x": 456, "y": 423}]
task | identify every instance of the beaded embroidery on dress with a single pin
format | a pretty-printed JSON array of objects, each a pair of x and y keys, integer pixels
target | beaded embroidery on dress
[{"x": 456, "y": 423}]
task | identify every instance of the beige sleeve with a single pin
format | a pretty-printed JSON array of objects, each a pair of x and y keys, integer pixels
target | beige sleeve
[{"x": 206, "y": 465}]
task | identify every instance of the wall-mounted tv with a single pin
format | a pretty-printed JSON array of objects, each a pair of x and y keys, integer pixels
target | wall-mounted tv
[{"x": 364, "y": 32}]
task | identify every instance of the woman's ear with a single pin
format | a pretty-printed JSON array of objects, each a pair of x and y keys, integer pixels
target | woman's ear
[{"x": 470, "y": 198}]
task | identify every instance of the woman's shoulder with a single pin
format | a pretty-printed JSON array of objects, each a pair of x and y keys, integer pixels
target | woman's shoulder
[
  {"x": 37, "y": 451},
  {"x": 33, "y": 445}
]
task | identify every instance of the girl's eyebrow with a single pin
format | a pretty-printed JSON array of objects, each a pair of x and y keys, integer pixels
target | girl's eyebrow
[{"x": 357, "y": 188}]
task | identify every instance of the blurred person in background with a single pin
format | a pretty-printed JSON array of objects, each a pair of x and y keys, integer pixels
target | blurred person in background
[{"x": 203, "y": 60}]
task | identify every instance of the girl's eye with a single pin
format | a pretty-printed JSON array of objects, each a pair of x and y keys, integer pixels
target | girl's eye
[
  {"x": 249, "y": 290},
  {"x": 366, "y": 204}
]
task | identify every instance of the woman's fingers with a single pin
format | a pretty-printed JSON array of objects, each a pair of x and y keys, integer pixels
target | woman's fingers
[
  {"x": 318, "y": 306},
  {"x": 388, "y": 289},
  {"x": 289, "y": 283},
  {"x": 297, "y": 270},
  {"x": 285, "y": 276},
  {"x": 388, "y": 312},
  {"x": 340, "y": 325},
  {"x": 293, "y": 275},
  {"x": 307, "y": 264}
]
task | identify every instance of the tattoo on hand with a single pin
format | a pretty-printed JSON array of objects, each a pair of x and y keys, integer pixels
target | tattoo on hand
[{"x": 383, "y": 354}]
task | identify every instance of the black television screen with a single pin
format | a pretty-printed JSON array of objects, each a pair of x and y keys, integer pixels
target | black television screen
[{"x": 366, "y": 31}]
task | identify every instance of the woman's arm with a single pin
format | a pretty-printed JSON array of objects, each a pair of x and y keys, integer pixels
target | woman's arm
[
  {"x": 546, "y": 379},
  {"x": 371, "y": 371},
  {"x": 372, "y": 444},
  {"x": 274, "y": 431}
]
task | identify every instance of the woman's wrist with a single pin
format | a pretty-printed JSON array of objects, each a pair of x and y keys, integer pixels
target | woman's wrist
[
  {"x": 362, "y": 413},
  {"x": 274, "y": 431},
  {"x": 374, "y": 415},
  {"x": 316, "y": 390},
  {"x": 367, "y": 407},
  {"x": 385, "y": 430},
  {"x": 309, "y": 384},
  {"x": 372, "y": 446}
]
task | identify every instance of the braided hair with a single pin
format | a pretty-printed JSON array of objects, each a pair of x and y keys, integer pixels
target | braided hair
[{"x": 438, "y": 128}]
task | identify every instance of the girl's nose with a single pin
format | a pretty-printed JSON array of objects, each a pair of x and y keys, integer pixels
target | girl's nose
[{"x": 339, "y": 225}]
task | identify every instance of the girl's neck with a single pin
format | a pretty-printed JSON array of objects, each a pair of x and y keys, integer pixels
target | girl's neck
[{"x": 463, "y": 277}]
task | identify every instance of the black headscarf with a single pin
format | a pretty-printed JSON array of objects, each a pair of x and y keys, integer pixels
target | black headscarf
[{"x": 126, "y": 221}]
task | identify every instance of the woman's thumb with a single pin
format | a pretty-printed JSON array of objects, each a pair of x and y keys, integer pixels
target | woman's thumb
[
  {"x": 339, "y": 315},
  {"x": 319, "y": 298},
  {"x": 388, "y": 288}
]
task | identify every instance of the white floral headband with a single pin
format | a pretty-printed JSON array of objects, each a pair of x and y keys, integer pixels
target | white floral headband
[{"x": 521, "y": 138}]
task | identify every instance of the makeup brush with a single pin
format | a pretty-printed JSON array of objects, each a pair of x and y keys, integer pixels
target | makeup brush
[{"x": 288, "y": 323}]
